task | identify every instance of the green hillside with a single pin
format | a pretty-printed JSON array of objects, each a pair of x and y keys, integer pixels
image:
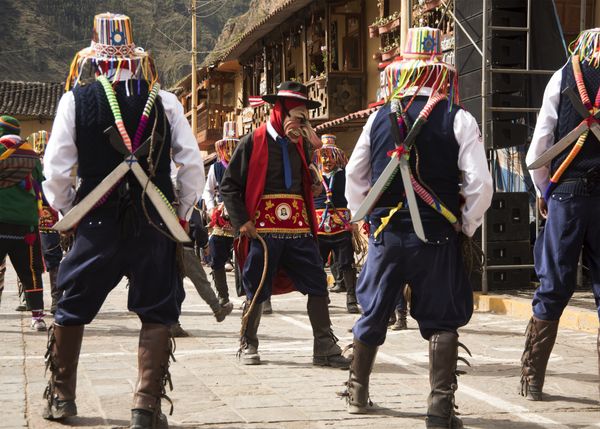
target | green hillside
[{"x": 39, "y": 38}]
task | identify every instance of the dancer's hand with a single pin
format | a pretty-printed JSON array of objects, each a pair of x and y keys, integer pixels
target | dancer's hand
[
  {"x": 248, "y": 230},
  {"x": 542, "y": 207}
]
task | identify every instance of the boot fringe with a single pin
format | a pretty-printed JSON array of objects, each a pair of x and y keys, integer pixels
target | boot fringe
[
  {"x": 166, "y": 378},
  {"x": 50, "y": 364},
  {"x": 345, "y": 394},
  {"x": 526, "y": 362},
  {"x": 465, "y": 348}
]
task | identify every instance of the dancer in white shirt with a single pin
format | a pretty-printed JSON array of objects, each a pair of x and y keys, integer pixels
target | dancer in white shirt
[
  {"x": 122, "y": 114},
  {"x": 446, "y": 147}
]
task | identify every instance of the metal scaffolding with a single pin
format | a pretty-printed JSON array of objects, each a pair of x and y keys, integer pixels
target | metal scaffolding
[{"x": 487, "y": 109}]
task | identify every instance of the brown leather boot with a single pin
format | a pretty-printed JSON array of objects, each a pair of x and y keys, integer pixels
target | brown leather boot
[
  {"x": 357, "y": 391},
  {"x": 64, "y": 345},
  {"x": 54, "y": 292},
  {"x": 350, "y": 282},
  {"x": 326, "y": 352},
  {"x": 248, "y": 352},
  {"x": 155, "y": 348},
  {"x": 539, "y": 341},
  {"x": 443, "y": 354},
  {"x": 220, "y": 279}
]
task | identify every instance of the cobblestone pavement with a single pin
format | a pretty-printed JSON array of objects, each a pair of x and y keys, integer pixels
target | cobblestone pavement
[{"x": 213, "y": 390}]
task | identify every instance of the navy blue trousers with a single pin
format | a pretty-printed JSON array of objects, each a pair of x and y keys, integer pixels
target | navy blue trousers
[
  {"x": 341, "y": 246},
  {"x": 573, "y": 223},
  {"x": 219, "y": 249},
  {"x": 442, "y": 298},
  {"x": 101, "y": 256},
  {"x": 51, "y": 249},
  {"x": 300, "y": 259}
]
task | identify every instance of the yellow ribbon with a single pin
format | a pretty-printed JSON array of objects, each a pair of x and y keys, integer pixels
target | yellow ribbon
[{"x": 386, "y": 219}]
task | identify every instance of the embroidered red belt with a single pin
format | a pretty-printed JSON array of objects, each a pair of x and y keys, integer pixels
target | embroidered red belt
[
  {"x": 282, "y": 213},
  {"x": 48, "y": 218},
  {"x": 335, "y": 221}
]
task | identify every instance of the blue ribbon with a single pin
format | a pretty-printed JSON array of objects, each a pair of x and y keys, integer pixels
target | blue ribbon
[{"x": 287, "y": 167}]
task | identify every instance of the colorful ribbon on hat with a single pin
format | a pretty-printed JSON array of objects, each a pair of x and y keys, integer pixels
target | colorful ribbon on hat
[{"x": 592, "y": 109}]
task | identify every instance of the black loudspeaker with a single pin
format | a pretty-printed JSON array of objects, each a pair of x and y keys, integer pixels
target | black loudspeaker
[
  {"x": 508, "y": 134},
  {"x": 507, "y": 49},
  {"x": 509, "y": 252},
  {"x": 501, "y": 83},
  {"x": 504, "y": 279},
  {"x": 507, "y": 218},
  {"x": 465, "y": 9},
  {"x": 473, "y": 106},
  {"x": 505, "y": 52}
]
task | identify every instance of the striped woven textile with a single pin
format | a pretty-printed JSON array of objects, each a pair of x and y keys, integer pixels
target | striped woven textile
[{"x": 17, "y": 165}]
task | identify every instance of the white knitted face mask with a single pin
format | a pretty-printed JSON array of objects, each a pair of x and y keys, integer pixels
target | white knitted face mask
[{"x": 296, "y": 125}]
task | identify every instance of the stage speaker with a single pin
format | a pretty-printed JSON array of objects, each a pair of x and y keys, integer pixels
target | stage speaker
[
  {"x": 507, "y": 218},
  {"x": 509, "y": 252},
  {"x": 508, "y": 134},
  {"x": 507, "y": 49},
  {"x": 517, "y": 279}
]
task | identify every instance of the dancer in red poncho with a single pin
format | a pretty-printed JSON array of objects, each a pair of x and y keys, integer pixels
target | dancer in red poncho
[{"x": 267, "y": 190}]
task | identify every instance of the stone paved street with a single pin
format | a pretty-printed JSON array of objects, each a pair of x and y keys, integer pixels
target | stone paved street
[{"x": 213, "y": 390}]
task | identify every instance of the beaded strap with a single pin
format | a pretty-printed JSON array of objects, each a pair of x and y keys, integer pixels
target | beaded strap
[
  {"x": 137, "y": 140},
  {"x": 116, "y": 111},
  {"x": 114, "y": 106}
]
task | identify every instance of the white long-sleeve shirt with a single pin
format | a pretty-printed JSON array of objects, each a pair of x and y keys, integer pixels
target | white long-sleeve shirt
[
  {"x": 543, "y": 136},
  {"x": 477, "y": 180},
  {"x": 210, "y": 189},
  {"x": 61, "y": 156}
]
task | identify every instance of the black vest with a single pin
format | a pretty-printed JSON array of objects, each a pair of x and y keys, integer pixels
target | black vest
[
  {"x": 338, "y": 187},
  {"x": 436, "y": 151},
  {"x": 97, "y": 158},
  {"x": 568, "y": 118}
]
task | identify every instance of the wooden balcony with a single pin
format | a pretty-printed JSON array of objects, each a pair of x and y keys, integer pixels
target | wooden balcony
[
  {"x": 207, "y": 138},
  {"x": 210, "y": 125},
  {"x": 340, "y": 94}
]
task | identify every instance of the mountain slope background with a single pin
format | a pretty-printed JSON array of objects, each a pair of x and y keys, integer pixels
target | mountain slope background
[
  {"x": 38, "y": 39},
  {"x": 236, "y": 26}
]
